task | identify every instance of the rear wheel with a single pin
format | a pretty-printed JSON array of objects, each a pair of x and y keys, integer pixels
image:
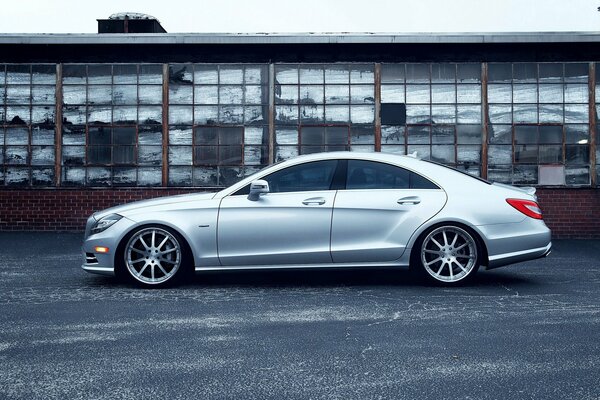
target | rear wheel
[
  {"x": 448, "y": 254},
  {"x": 155, "y": 257}
]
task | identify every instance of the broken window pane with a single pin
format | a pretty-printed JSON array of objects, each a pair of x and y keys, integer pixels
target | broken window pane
[
  {"x": 125, "y": 73},
  {"x": 180, "y": 73},
  {"x": 231, "y": 75},
  {"x": 125, "y": 94},
  {"x": 43, "y": 95},
  {"x": 151, "y": 74},
  {"x": 206, "y": 74}
]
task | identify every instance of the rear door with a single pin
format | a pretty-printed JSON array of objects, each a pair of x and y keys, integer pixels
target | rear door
[{"x": 377, "y": 213}]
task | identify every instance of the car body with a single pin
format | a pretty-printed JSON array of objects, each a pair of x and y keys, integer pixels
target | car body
[{"x": 339, "y": 209}]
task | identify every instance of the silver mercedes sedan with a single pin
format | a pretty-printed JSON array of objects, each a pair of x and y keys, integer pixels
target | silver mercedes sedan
[{"x": 324, "y": 210}]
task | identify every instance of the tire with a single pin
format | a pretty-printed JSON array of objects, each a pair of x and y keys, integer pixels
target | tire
[
  {"x": 154, "y": 257},
  {"x": 446, "y": 255}
]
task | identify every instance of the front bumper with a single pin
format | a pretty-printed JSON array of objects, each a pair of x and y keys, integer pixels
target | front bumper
[{"x": 104, "y": 263}]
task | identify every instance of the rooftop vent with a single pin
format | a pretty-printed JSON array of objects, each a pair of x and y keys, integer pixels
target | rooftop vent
[{"x": 130, "y": 22}]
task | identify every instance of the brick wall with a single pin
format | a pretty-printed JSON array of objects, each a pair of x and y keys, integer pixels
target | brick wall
[{"x": 570, "y": 213}]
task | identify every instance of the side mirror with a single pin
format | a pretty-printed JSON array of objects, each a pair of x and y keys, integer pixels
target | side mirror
[{"x": 258, "y": 188}]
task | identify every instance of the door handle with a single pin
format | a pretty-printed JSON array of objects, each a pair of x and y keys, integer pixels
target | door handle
[
  {"x": 319, "y": 201},
  {"x": 409, "y": 200}
]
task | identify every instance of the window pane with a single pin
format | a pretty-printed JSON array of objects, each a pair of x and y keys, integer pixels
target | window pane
[
  {"x": 499, "y": 154},
  {"x": 551, "y": 134},
  {"x": 286, "y": 94},
  {"x": 286, "y": 74},
  {"x": 124, "y": 73},
  {"x": 180, "y": 94},
  {"x": 499, "y": 72},
  {"x": 362, "y": 74},
  {"x": 149, "y": 74},
  {"x": 469, "y": 93},
  {"x": 551, "y": 72},
  {"x": 499, "y": 93},
  {"x": 337, "y": 74},
  {"x": 469, "y": 73},
  {"x": 443, "y": 154},
  {"x": 525, "y": 134},
  {"x": 527, "y": 154},
  {"x": 551, "y": 93},
  {"x": 124, "y": 94},
  {"x": 311, "y": 94},
  {"x": 525, "y": 93},
  {"x": 576, "y": 93},
  {"x": 233, "y": 75},
  {"x": 417, "y": 94},
  {"x": 392, "y": 93},
  {"x": 417, "y": 73},
  {"x": 418, "y": 114},
  {"x": 392, "y": 73},
  {"x": 312, "y": 75},
  {"x": 206, "y": 94},
  {"x": 206, "y": 74},
  {"x": 443, "y": 94},
  {"x": 362, "y": 94},
  {"x": 525, "y": 72}
]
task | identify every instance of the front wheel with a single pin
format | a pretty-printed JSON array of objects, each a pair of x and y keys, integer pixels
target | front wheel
[
  {"x": 448, "y": 254},
  {"x": 154, "y": 257}
]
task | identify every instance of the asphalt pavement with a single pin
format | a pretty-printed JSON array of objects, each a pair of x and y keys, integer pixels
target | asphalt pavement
[{"x": 527, "y": 331}]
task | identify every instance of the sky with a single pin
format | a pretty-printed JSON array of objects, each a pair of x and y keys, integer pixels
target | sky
[{"x": 237, "y": 16}]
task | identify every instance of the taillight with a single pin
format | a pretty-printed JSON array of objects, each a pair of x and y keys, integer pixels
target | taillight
[{"x": 527, "y": 207}]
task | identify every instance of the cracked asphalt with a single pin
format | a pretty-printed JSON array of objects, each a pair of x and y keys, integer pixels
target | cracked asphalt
[{"x": 527, "y": 331}]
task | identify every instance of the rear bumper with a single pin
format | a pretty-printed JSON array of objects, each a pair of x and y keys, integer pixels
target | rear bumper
[{"x": 518, "y": 256}]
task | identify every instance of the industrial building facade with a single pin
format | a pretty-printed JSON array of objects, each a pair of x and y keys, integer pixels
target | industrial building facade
[{"x": 88, "y": 121}]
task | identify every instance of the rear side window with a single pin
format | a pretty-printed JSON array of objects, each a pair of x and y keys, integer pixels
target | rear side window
[
  {"x": 306, "y": 177},
  {"x": 374, "y": 175}
]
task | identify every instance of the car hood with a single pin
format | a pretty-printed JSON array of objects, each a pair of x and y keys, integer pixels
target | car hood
[{"x": 160, "y": 201}]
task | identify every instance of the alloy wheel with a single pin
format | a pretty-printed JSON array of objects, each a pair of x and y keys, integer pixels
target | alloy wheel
[
  {"x": 153, "y": 256},
  {"x": 449, "y": 254}
]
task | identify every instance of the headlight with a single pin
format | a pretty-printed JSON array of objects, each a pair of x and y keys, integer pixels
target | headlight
[{"x": 104, "y": 223}]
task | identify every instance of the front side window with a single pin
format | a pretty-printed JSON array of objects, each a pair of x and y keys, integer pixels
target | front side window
[
  {"x": 374, "y": 175},
  {"x": 306, "y": 177}
]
